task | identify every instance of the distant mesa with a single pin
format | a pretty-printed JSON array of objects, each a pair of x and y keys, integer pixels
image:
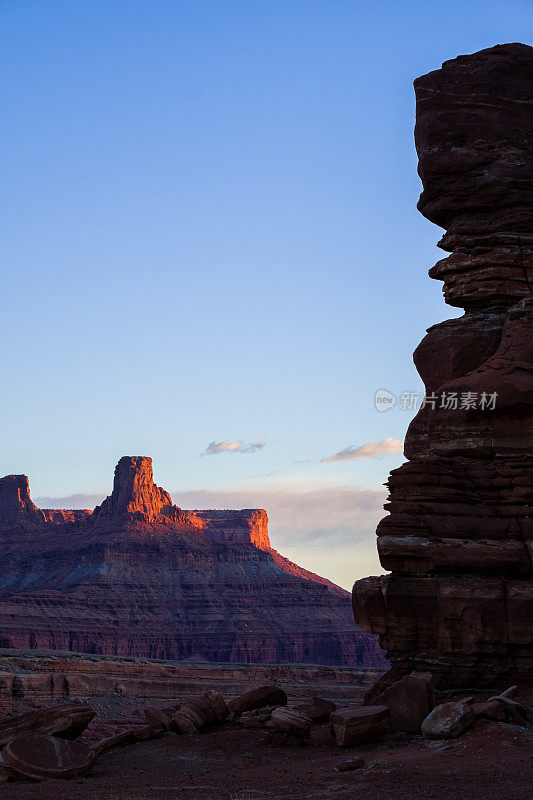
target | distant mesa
[
  {"x": 139, "y": 576},
  {"x": 17, "y": 510}
]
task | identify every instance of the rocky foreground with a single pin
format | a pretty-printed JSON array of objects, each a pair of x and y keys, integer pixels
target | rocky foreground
[
  {"x": 140, "y": 577},
  {"x": 223, "y": 732}
]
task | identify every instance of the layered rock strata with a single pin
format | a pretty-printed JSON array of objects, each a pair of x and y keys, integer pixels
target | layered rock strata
[
  {"x": 141, "y": 577},
  {"x": 458, "y": 538},
  {"x": 29, "y": 677}
]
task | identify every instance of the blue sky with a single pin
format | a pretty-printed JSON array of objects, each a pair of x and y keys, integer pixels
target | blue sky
[{"x": 210, "y": 234}]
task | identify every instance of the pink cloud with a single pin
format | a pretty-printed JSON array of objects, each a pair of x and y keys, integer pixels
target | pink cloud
[{"x": 368, "y": 450}]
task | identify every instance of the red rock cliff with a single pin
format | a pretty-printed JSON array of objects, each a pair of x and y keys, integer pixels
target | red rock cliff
[
  {"x": 142, "y": 577},
  {"x": 249, "y": 525},
  {"x": 16, "y": 506},
  {"x": 136, "y": 499},
  {"x": 458, "y": 538}
]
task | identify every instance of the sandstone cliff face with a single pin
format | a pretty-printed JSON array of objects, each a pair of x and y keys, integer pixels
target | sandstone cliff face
[
  {"x": 141, "y": 577},
  {"x": 136, "y": 501},
  {"x": 458, "y": 538},
  {"x": 16, "y": 506},
  {"x": 243, "y": 527},
  {"x": 19, "y": 512}
]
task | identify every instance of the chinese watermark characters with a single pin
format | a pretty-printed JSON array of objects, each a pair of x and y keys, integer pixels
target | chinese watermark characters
[{"x": 446, "y": 401}]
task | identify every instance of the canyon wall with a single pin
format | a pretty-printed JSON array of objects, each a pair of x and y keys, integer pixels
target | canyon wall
[
  {"x": 458, "y": 538},
  {"x": 141, "y": 577}
]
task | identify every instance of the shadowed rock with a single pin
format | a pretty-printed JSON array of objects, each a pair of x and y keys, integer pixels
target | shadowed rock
[
  {"x": 359, "y": 724},
  {"x": 66, "y": 722},
  {"x": 40, "y": 757},
  {"x": 258, "y": 698},
  {"x": 458, "y": 538}
]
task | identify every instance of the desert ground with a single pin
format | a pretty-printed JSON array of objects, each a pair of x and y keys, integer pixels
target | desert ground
[{"x": 491, "y": 761}]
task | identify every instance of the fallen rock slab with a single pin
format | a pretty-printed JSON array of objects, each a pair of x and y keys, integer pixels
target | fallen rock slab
[
  {"x": 359, "y": 724},
  {"x": 257, "y": 717},
  {"x": 39, "y": 757},
  {"x": 65, "y": 721},
  {"x": 218, "y": 704},
  {"x": 294, "y": 722},
  {"x": 409, "y": 701},
  {"x": 490, "y": 709},
  {"x": 200, "y": 712},
  {"x": 514, "y": 712},
  {"x": 318, "y": 709},
  {"x": 156, "y": 717},
  {"x": 449, "y": 720},
  {"x": 112, "y": 742},
  {"x": 257, "y": 698},
  {"x": 147, "y": 732}
]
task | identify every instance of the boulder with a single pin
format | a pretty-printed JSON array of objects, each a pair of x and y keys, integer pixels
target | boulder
[
  {"x": 147, "y": 732},
  {"x": 515, "y": 712},
  {"x": 359, "y": 724},
  {"x": 39, "y": 757},
  {"x": 291, "y": 721},
  {"x": 257, "y": 717},
  {"x": 409, "y": 701},
  {"x": 317, "y": 708},
  {"x": 257, "y": 698},
  {"x": 156, "y": 717},
  {"x": 218, "y": 704},
  {"x": 112, "y": 742},
  {"x": 490, "y": 709},
  {"x": 65, "y": 721},
  {"x": 449, "y": 720},
  {"x": 200, "y": 712}
]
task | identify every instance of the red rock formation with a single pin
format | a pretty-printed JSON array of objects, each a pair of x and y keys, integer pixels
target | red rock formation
[
  {"x": 19, "y": 512},
  {"x": 141, "y": 577},
  {"x": 137, "y": 501},
  {"x": 41, "y": 757},
  {"x": 29, "y": 677},
  {"x": 258, "y": 698},
  {"x": 243, "y": 527},
  {"x": 65, "y": 721},
  {"x": 458, "y": 539},
  {"x": 16, "y": 506}
]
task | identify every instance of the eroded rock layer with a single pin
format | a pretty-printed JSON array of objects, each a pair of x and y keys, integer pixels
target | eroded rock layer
[
  {"x": 458, "y": 538},
  {"x": 140, "y": 577}
]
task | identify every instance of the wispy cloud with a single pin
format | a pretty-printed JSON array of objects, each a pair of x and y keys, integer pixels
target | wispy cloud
[
  {"x": 336, "y": 512},
  {"x": 237, "y": 446},
  {"x": 368, "y": 450},
  {"x": 80, "y": 500}
]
